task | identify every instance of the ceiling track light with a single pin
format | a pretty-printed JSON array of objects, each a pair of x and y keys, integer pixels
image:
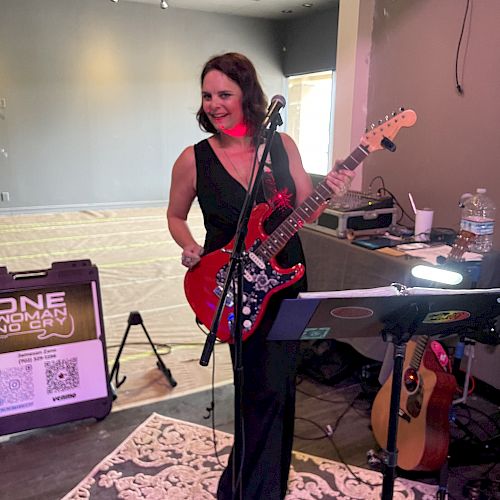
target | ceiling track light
[
  {"x": 164, "y": 4},
  {"x": 114, "y": 1}
]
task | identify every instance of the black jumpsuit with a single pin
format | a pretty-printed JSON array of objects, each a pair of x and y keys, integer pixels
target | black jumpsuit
[{"x": 269, "y": 367}]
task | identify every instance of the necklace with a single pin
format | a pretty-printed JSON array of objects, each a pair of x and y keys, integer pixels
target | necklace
[{"x": 244, "y": 181}]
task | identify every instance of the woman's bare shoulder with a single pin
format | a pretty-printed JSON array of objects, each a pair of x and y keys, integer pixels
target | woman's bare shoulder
[
  {"x": 287, "y": 140},
  {"x": 186, "y": 157}
]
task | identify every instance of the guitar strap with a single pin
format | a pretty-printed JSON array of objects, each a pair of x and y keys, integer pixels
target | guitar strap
[
  {"x": 269, "y": 187},
  {"x": 440, "y": 354},
  {"x": 276, "y": 196}
]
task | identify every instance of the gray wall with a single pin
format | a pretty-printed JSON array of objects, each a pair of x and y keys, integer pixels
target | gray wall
[
  {"x": 453, "y": 148},
  {"x": 101, "y": 97}
]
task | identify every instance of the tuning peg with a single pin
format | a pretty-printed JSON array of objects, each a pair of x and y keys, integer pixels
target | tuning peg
[
  {"x": 366, "y": 130},
  {"x": 394, "y": 113},
  {"x": 372, "y": 126},
  {"x": 386, "y": 117},
  {"x": 401, "y": 108},
  {"x": 380, "y": 122}
]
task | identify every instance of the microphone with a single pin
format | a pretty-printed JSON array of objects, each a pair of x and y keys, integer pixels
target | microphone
[{"x": 277, "y": 102}]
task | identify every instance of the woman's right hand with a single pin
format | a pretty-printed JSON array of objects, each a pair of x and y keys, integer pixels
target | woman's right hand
[{"x": 191, "y": 255}]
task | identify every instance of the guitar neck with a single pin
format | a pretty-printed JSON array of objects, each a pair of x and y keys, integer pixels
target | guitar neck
[
  {"x": 304, "y": 212},
  {"x": 460, "y": 246},
  {"x": 416, "y": 359}
]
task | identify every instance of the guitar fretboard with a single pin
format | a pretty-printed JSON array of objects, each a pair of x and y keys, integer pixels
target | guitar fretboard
[
  {"x": 304, "y": 213},
  {"x": 416, "y": 359}
]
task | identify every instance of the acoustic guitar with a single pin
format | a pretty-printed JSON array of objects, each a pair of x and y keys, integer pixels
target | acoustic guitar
[
  {"x": 426, "y": 396},
  {"x": 263, "y": 277}
]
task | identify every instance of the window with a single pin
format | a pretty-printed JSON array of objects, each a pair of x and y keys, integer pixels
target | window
[{"x": 310, "y": 118}]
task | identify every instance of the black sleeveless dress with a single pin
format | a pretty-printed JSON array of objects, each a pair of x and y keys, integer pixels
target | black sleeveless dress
[{"x": 269, "y": 367}]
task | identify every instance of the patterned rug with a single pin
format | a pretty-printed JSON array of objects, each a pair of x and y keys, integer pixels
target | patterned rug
[{"x": 168, "y": 458}]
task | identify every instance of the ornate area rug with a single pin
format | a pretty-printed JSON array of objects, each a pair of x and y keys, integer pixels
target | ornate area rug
[{"x": 166, "y": 458}]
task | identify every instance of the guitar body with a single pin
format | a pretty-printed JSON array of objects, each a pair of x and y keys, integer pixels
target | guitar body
[
  {"x": 423, "y": 426},
  {"x": 203, "y": 283}
]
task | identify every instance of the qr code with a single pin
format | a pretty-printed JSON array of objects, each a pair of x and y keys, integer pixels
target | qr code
[
  {"x": 16, "y": 385},
  {"x": 62, "y": 375}
]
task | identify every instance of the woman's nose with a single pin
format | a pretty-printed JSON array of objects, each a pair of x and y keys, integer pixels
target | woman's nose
[{"x": 214, "y": 104}]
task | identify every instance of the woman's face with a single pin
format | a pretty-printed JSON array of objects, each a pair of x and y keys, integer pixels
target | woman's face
[{"x": 222, "y": 102}]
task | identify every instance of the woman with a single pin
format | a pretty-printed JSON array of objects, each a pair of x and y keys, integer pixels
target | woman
[{"x": 218, "y": 171}]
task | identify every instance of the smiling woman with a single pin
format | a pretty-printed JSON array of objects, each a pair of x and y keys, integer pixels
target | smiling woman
[{"x": 218, "y": 171}]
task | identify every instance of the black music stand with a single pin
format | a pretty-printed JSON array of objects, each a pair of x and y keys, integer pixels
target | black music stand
[{"x": 395, "y": 312}]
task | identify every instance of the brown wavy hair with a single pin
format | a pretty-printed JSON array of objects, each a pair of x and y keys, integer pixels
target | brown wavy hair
[{"x": 240, "y": 69}]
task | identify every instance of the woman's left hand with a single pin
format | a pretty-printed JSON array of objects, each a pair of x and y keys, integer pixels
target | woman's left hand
[{"x": 339, "y": 181}]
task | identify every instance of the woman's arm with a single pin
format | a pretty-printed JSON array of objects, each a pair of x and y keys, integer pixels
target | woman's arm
[{"x": 182, "y": 194}]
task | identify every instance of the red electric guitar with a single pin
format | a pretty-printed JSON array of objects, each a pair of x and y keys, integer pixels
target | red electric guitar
[
  {"x": 263, "y": 276},
  {"x": 426, "y": 395}
]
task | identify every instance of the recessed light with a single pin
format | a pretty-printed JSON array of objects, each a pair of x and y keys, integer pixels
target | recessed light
[
  {"x": 307, "y": 5},
  {"x": 286, "y": 11}
]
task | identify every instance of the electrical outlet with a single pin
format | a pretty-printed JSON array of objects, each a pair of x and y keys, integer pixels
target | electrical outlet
[{"x": 5, "y": 196}]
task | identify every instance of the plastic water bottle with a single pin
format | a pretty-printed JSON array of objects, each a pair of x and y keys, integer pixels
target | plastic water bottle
[{"x": 478, "y": 217}]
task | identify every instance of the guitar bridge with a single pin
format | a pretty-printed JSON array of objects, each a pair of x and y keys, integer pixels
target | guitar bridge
[{"x": 402, "y": 414}]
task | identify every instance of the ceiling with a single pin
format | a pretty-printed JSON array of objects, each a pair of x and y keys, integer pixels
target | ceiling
[{"x": 270, "y": 9}]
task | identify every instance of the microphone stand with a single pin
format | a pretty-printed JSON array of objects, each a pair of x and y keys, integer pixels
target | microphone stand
[{"x": 234, "y": 280}]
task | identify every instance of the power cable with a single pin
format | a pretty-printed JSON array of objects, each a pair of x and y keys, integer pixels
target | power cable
[{"x": 457, "y": 83}]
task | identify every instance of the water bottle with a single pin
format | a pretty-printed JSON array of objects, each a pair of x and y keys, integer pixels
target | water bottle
[{"x": 478, "y": 217}]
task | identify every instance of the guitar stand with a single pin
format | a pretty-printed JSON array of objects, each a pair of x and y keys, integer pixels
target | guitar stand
[
  {"x": 135, "y": 318},
  {"x": 468, "y": 347},
  {"x": 442, "y": 492}
]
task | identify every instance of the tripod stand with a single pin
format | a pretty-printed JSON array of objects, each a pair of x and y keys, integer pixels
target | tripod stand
[{"x": 135, "y": 318}]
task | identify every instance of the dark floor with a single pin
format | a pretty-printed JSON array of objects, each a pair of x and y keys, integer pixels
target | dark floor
[
  {"x": 47, "y": 463},
  {"x": 473, "y": 466}
]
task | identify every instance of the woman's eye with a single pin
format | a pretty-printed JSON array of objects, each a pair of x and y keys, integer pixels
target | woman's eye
[{"x": 225, "y": 95}]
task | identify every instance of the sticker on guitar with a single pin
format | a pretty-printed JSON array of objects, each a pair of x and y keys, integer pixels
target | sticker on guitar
[{"x": 263, "y": 277}]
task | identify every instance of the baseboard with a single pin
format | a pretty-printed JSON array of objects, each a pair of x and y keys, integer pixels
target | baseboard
[{"x": 81, "y": 206}]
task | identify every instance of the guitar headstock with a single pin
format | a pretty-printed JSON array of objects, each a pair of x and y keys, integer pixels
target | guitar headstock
[
  {"x": 373, "y": 139},
  {"x": 462, "y": 243}
]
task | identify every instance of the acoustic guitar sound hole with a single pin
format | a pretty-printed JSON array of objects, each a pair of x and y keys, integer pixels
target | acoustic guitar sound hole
[{"x": 410, "y": 380}]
